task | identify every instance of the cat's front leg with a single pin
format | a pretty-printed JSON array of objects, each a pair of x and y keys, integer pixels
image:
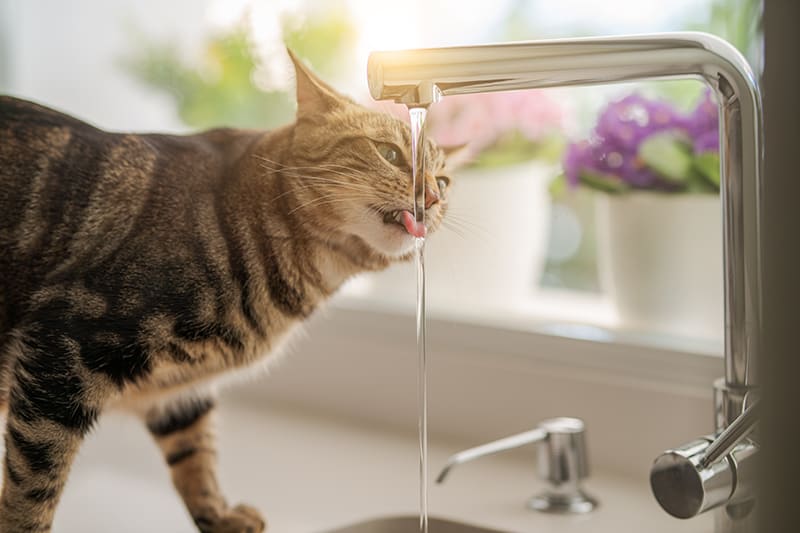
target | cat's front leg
[
  {"x": 52, "y": 404},
  {"x": 184, "y": 431}
]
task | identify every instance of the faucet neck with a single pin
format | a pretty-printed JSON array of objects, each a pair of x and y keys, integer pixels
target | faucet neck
[{"x": 418, "y": 77}]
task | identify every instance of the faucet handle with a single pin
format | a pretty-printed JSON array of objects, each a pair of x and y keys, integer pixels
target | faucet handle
[
  {"x": 562, "y": 459},
  {"x": 728, "y": 439},
  {"x": 708, "y": 472}
]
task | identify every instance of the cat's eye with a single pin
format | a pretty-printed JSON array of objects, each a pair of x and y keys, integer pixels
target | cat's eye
[
  {"x": 390, "y": 153},
  {"x": 442, "y": 182}
]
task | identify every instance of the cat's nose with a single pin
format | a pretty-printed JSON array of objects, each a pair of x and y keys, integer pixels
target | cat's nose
[{"x": 431, "y": 197}]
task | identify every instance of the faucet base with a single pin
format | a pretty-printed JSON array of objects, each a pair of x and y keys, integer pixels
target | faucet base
[
  {"x": 736, "y": 518},
  {"x": 577, "y": 502},
  {"x": 730, "y": 402}
]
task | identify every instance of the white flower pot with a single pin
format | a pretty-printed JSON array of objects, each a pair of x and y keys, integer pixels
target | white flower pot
[
  {"x": 492, "y": 253},
  {"x": 660, "y": 259}
]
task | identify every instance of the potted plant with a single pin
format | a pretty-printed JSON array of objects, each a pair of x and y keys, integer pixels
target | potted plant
[
  {"x": 659, "y": 215},
  {"x": 491, "y": 249}
]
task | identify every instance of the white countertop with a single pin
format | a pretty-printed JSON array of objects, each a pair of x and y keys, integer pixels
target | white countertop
[{"x": 309, "y": 473}]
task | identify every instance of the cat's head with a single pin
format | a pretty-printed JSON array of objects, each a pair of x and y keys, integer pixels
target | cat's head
[{"x": 354, "y": 165}]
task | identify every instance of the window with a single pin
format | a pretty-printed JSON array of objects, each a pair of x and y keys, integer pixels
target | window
[{"x": 519, "y": 246}]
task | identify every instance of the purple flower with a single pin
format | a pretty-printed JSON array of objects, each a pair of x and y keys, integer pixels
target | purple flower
[
  {"x": 706, "y": 142},
  {"x": 626, "y": 123},
  {"x": 577, "y": 157},
  {"x": 612, "y": 151},
  {"x": 702, "y": 124}
]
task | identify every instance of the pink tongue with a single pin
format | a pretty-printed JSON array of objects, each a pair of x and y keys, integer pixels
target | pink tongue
[{"x": 414, "y": 228}]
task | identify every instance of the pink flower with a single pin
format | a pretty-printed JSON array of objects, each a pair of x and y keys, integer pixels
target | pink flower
[{"x": 482, "y": 120}]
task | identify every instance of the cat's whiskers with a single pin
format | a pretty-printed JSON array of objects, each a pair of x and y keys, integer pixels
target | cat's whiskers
[
  {"x": 327, "y": 180},
  {"x": 325, "y": 200},
  {"x": 341, "y": 170},
  {"x": 358, "y": 181},
  {"x": 335, "y": 181},
  {"x": 294, "y": 173},
  {"x": 355, "y": 191},
  {"x": 278, "y": 164},
  {"x": 316, "y": 187},
  {"x": 321, "y": 189},
  {"x": 459, "y": 231},
  {"x": 345, "y": 171},
  {"x": 455, "y": 217}
]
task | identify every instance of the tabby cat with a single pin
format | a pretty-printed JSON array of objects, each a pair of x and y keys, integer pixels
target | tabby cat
[{"x": 136, "y": 269}]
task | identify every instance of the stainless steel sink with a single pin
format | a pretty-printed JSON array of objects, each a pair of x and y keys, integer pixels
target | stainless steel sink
[{"x": 410, "y": 524}]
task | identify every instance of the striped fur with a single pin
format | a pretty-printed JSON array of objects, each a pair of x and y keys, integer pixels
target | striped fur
[{"x": 134, "y": 269}]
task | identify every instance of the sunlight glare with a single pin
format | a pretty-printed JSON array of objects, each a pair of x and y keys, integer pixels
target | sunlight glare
[{"x": 382, "y": 28}]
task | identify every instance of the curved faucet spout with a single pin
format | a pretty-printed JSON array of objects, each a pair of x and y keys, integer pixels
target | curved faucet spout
[{"x": 420, "y": 77}]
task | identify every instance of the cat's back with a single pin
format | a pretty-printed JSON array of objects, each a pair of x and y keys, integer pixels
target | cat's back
[
  {"x": 46, "y": 160},
  {"x": 54, "y": 165},
  {"x": 72, "y": 195},
  {"x": 63, "y": 180},
  {"x": 80, "y": 203},
  {"x": 34, "y": 137},
  {"x": 15, "y": 112}
]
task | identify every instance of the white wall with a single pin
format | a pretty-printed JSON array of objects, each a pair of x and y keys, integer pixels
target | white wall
[{"x": 67, "y": 55}]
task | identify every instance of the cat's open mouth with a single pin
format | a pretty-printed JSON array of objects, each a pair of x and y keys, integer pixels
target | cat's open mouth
[{"x": 405, "y": 219}]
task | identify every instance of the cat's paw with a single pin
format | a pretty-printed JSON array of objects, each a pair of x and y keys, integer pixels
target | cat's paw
[{"x": 239, "y": 519}]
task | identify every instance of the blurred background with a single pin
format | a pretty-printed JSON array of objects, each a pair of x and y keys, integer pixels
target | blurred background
[
  {"x": 594, "y": 206},
  {"x": 579, "y": 272}
]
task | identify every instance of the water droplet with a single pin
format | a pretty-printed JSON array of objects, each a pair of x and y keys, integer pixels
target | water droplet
[
  {"x": 615, "y": 160},
  {"x": 636, "y": 113}
]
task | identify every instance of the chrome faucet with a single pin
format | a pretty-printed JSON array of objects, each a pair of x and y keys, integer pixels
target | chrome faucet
[{"x": 684, "y": 475}]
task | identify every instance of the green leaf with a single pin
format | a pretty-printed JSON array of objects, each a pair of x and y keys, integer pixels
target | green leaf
[
  {"x": 325, "y": 37},
  {"x": 558, "y": 187},
  {"x": 668, "y": 154},
  {"x": 707, "y": 164},
  {"x": 218, "y": 90},
  {"x": 604, "y": 183},
  {"x": 697, "y": 183}
]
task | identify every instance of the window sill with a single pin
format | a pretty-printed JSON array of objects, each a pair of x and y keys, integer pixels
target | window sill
[
  {"x": 559, "y": 313},
  {"x": 488, "y": 378}
]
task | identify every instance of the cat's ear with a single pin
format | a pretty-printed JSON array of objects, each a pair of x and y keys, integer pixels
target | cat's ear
[
  {"x": 313, "y": 94},
  {"x": 457, "y": 156}
]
